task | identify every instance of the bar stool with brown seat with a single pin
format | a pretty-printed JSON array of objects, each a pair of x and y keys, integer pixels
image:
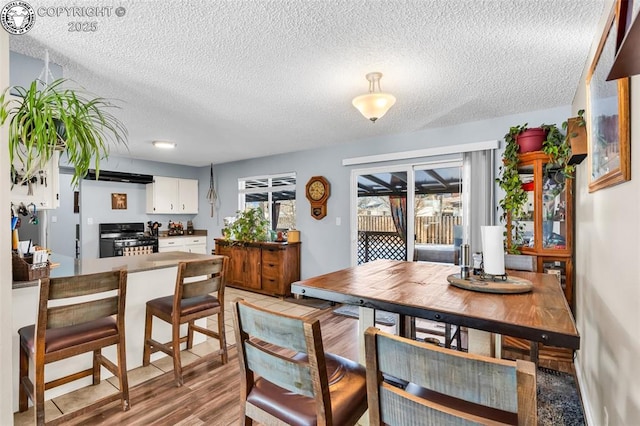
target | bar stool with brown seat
[
  {"x": 73, "y": 327},
  {"x": 191, "y": 301},
  {"x": 298, "y": 384}
]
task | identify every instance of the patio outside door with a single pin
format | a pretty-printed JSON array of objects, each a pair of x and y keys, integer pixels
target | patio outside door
[{"x": 420, "y": 201}]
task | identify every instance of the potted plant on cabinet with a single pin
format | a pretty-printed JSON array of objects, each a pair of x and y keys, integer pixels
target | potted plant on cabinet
[
  {"x": 557, "y": 146},
  {"x": 249, "y": 226},
  {"x": 46, "y": 119}
]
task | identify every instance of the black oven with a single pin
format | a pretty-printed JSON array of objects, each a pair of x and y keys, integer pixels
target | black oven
[{"x": 126, "y": 239}]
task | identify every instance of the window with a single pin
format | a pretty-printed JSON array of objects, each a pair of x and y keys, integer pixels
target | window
[{"x": 275, "y": 194}]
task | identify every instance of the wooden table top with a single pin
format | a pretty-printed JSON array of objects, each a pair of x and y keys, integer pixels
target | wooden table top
[{"x": 420, "y": 289}]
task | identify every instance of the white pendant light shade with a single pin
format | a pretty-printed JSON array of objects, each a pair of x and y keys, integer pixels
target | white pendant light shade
[{"x": 374, "y": 104}]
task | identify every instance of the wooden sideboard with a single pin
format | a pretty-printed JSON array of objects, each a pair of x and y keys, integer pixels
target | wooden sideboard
[{"x": 262, "y": 267}]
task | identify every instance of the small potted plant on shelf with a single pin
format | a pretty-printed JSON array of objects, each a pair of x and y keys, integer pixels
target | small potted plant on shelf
[
  {"x": 44, "y": 119},
  {"x": 248, "y": 226}
]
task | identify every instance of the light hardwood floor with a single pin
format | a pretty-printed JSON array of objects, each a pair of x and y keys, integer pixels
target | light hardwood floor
[{"x": 210, "y": 392}]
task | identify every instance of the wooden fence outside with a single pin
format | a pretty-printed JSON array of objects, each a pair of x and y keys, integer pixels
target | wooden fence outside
[{"x": 429, "y": 229}]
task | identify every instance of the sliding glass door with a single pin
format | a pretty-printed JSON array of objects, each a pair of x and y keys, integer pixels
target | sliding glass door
[
  {"x": 438, "y": 212},
  {"x": 407, "y": 212}
]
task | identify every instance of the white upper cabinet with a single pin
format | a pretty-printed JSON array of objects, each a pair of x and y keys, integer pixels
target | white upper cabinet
[
  {"x": 43, "y": 189},
  {"x": 172, "y": 195},
  {"x": 188, "y": 196}
]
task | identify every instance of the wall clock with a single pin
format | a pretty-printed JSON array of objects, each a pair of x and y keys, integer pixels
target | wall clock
[{"x": 318, "y": 190}]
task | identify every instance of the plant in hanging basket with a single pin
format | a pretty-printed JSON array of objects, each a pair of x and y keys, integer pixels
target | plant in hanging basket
[{"x": 44, "y": 119}]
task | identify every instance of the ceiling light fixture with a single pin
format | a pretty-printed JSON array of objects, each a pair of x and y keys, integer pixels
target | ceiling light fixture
[
  {"x": 164, "y": 144},
  {"x": 374, "y": 104}
]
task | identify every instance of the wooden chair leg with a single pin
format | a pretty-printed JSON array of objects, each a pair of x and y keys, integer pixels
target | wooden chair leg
[
  {"x": 244, "y": 419},
  {"x": 38, "y": 394},
  {"x": 177, "y": 364},
  {"x": 148, "y": 323},
  {"x": 222, "y": 338},
  {"x": 96, "y": 366},
  {"x": 23, "y": 399},
  {"x": 122, "y": 374},
  {"x": 190, "y": 334}
]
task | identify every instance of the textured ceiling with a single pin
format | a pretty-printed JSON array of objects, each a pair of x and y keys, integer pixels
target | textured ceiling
[{"x": 230, "y": 80}]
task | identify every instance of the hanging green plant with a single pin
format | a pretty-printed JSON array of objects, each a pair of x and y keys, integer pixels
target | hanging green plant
[{"x": 48, "y": 118}]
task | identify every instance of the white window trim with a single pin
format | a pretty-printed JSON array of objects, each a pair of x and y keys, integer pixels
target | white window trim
[
  {"x": 269, "y": 189},
  {"x": 427, "y": 152}
]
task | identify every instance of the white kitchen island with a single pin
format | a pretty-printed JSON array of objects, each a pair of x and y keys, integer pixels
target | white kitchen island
[{"x": 149, "y": 276}]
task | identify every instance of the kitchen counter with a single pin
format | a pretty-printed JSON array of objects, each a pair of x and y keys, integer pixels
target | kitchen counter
[
  {"x": 196, "y": 233},
  {"x": 69, "y": 266},
  {"x": 150, "y": 276}
]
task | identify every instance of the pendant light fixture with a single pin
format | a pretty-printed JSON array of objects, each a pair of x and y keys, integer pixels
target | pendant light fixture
[{"x": 374, "y": 104}]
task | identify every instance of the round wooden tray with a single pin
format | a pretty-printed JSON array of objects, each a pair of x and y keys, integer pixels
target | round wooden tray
[{"x": 510, "y": 286}]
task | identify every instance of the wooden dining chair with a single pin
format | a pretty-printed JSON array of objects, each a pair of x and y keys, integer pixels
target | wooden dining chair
[
  {"x": 191, "y": 301},
  {"x": 414, "y": 383},
  {"x": 72, "y": 326},
  {"x": 287, "y": 378}
]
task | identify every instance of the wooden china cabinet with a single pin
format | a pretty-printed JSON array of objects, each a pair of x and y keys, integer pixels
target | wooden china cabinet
[{"x": 546, "y": 232}]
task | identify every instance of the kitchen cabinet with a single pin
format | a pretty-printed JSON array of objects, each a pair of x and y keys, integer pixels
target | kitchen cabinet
[
  {"x": 167, "y": 195},
  {"x": 267, "y": 268},
  {"x": 194, "y": 244},
  {"x": 187, "y": 243},
  {"x": 547, "y": 229},
  {"x": 44, "y": 189}
]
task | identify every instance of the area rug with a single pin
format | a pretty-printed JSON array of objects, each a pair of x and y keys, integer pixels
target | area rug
[
  {"x": 382, "y": 317},
  {"x": 310, "y": 302},
  {"x": 559, "y": 401}
]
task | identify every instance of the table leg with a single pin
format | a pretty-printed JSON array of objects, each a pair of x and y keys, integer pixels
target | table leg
[{"x": 406, "y": 326}]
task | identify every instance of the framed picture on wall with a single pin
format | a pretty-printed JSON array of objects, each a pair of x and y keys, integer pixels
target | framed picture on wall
[
  {"x": 118, "y": 201},
  {"x": 608, "y": 112}
]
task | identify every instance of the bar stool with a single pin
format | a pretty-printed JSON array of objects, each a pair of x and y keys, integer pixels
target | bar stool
[
  {"x": 191, "y": 301},
  {"x": 74, "y": 327}
]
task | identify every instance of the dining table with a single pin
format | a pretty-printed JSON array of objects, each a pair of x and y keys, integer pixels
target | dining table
[{"x": 421, "y": 290}]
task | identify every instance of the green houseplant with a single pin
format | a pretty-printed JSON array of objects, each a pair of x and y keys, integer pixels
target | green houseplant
[
  {"x": 556, "y": 145},
  {"x": 44, "y": 119},
  {"x": 249, "y": 226}
]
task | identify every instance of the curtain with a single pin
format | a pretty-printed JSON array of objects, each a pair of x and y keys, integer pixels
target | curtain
[
  {"x": 398, "y": 205},
  {"x": 478, "y": 195},
  {"x": 275, "y": 215}
]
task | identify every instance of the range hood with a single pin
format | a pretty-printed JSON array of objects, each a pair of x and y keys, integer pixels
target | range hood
[{"x": 110, "y": 176}]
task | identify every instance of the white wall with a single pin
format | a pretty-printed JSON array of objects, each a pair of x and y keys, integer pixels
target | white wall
[
  {"x": 6, "y": 416},
  {"x": 608, "y": 284},
  {"x": 325, "y": 245},
  {"x": 62, "y": 221}
]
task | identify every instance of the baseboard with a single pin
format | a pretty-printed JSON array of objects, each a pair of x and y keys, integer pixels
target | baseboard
[{"x": 586, "y": 401}]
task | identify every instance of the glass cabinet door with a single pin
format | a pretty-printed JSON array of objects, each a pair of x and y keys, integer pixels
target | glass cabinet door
[
  {"x": 554, "y": 205},
  {"x": 525, "y": 226}
]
